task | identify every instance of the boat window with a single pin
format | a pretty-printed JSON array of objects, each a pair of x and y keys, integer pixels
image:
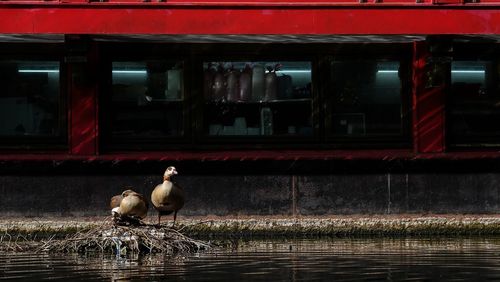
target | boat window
[
  {"x": 366, "y": 98},
  {"x": 474, "y": 104},
  {"x": 30, "y": 100},
  {"x": 258, "y": 99},
  {"x": 146, "y": 100}
]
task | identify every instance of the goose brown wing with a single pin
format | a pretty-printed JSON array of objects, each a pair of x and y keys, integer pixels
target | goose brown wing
[
  {"x": 146, "y": 202},
  {"x": 115, "y": 201},
  {"x": 177, "y": 197},
  {"x": 156, "y": 197}
]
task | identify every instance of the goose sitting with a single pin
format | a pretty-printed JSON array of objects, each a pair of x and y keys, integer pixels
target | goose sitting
[
  {"x": 129, "y": 207},
  {"x": 168, "y": 197}
]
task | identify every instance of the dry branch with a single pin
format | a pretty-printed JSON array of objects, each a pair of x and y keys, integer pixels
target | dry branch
[{"x": 108, "y": 238}]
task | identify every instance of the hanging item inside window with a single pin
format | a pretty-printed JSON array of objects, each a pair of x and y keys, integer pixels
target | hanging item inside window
[
  {"x": 257, "y": 98},
  {"x": 256, "y": 81}
]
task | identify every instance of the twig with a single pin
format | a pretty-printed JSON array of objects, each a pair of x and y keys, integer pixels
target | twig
[{"x": 106, "y": 237}]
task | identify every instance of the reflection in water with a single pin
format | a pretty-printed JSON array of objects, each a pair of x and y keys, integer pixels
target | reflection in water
[{"x": 277, "y": 260}]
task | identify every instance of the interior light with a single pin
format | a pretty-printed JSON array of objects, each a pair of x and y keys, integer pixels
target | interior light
[
  {"x": 130, "y": 71},
  {"x": 453, "y": 71},
  {"x": 291, "y": 71},
  {"x": 468, "y": 71},
  {"x": 295, "y": 71},
  {"x": 38, "y": 71}
]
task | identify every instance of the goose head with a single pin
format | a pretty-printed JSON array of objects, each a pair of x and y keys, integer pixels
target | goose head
[
  {"x": 127, "y": 192},
  {"x": 169, "y": 172}
]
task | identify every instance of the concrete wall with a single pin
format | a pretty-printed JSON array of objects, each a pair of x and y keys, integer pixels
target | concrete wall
[{"x": 368, "y": 193}]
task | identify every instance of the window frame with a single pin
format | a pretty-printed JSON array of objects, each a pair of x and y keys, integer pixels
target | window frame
[
  {"x": 393, "y": 52},
  {"x": 193, "y": 57},
  {"x": 257, "y": 141},
  {"x": 140, "y": 52},
  {"x": 471, "y": 51},
  {"x": 42, "y": 52}
]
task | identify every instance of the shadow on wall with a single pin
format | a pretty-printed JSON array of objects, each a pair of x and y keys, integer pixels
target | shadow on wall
[{"x": 84, "y": 195}]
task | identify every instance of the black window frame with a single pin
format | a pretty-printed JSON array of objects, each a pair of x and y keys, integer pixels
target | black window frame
[
  {"x": 43, "y": 52},
  {"x": 274, "y": 53},
  {"x": 401, "y": 52},
  {"x": 471, "y": 51},
  {"x": 141, "y": 52},
  {"x": 194, "y": 55}
]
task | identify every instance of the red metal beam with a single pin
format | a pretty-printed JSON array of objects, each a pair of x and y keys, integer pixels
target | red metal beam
[
  {"x": 248, "y": 3},
  {"x": 428, "y": 106},
  {"x": 83, "y": 130},
  {"x": 138, "y": 19},
  {"x": 256, "y": 155}
]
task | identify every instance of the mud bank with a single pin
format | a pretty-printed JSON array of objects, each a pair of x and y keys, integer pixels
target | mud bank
[{"x": 411, "y": 225}]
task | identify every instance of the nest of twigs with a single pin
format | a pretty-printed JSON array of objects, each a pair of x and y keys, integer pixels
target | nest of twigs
[{"x": 120, "y": 240}]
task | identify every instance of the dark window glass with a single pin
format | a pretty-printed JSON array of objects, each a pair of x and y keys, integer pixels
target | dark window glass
[
  {"x": 257, "y": 99},
  {"x": 367, "y": 98},
  {"x": 475, "y": 104},
  {"x": 147, "y": 100},
  {"x": 29, "y": 100}
]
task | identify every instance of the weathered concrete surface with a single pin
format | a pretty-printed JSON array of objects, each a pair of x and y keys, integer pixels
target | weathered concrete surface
[
  {"x": 237, "y": 195},
  {"x": 342, "y": 194},
  {"x": 89, "y": 195},
  {"x": 399, "y": 193},
  {"x": 84, "y": 195}
]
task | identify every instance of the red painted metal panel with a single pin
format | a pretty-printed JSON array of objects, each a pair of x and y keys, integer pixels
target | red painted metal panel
[
  {"x": 268, "y": 3},
  {"x": 73, "y": 1},
  {"x": 85, "y": 19},
  {"x": 427, "y": 107},
  {"x": 256, "y": 155},
  {"x": 235, "y": 3},
  {"x": 83, "y": 108},
  {"x": 441, "y": 2}
]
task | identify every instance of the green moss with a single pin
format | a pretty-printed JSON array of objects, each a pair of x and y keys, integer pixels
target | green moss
[
  {"x": 240, "y": 229},
  {"x": 43, "y": 231},
  {"x": 293, "y": 228}
]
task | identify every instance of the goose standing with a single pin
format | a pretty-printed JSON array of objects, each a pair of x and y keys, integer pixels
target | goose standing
[
  {"x": 129, "y": 204},
  {"x": 168, "y": 197}
]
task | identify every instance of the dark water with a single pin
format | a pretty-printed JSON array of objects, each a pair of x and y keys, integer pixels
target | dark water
[{"x": 279, "y": 260}]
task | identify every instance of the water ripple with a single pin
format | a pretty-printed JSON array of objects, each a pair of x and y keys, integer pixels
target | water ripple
[{"x": 291, "y": 260}]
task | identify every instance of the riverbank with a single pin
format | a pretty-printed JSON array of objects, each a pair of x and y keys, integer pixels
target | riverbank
[{"x": 355, "y": 225}]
